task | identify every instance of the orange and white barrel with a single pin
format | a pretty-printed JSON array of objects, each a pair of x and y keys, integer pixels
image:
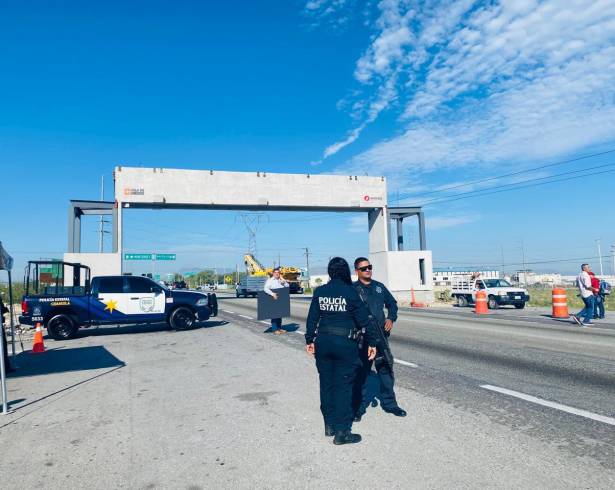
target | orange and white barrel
[
  {"x": 560, "y": 304},
  {"x": 481, "y": 303}
]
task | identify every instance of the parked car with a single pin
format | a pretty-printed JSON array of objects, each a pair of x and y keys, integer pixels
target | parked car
[
  {"x": 64, "y": 308},
  {"x": 499, "y": 292},
  {"x": 250, "y": 286}
]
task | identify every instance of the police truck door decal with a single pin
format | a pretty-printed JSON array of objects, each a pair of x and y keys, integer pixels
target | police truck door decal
[
  {"x": 146, "y": 305},
  {"x": 111, "y": 305}
]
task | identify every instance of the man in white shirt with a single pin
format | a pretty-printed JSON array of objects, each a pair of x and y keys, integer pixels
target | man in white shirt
[
  {"x": 276, "y": 282},
  {"x": 584, "y": 283}
]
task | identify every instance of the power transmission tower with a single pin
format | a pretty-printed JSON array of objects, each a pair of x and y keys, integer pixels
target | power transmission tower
[{"x": 252, "y": 222}]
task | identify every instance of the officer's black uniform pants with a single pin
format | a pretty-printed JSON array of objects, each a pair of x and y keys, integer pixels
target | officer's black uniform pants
[
  {"x": 387, "y": 383},
  {"x": 338, "y": 363}
]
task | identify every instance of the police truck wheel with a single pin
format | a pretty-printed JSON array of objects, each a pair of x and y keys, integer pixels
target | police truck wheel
[
  {"x": 182, "y": 318},
  {"x": 519, "y": 306},
  {"x": 462, "y": 301},
  {"x": 61, "y": 327},
  {"x": 492, "y": 303}
]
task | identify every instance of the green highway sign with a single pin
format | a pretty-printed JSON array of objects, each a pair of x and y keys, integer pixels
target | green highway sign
[
  {"x": 165, "y": 256},
  {"x": 149, "y": 256},
  {"x": 137, "y": 256},
  {"x": 51, "y": 268}
]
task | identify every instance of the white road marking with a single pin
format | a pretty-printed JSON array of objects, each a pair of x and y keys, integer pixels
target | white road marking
[
  {"x": 266, "y": 323},
  {"x": 557, "y": 406},
  {"x": 246, "y": 317},
  {"x": 300, "y": 332},
  {"x": 406, "y": 363},
  {"x": 228, "y": 311}
]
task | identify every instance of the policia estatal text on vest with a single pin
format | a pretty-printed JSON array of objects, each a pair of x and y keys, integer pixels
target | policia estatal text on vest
[{"x": 336, "y": 317}]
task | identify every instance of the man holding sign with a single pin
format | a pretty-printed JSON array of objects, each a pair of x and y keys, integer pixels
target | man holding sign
[{"x": 276, "y": 281}]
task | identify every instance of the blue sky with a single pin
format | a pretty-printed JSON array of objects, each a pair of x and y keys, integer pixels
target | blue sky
[{"x": 429, "y": 94}]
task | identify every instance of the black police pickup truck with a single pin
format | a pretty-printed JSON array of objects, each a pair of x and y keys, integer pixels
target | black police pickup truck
[{"x": 61, "y": 296}]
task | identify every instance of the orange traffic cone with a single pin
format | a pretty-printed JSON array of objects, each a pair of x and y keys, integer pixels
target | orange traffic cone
[
  {"x": 413, "y": 301},
  {"x": 481, "y": 303},
  {"x": 560, "y": 304},
  {"x": 38, "y": 346}
]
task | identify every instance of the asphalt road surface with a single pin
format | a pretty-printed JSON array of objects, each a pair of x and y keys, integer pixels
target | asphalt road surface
[
  {"x": 226, "y": 405},
  {"x": 547, "y": 379}
]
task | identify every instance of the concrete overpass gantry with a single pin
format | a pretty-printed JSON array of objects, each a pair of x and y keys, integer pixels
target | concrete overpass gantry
[{"x": 162, "y": 188}]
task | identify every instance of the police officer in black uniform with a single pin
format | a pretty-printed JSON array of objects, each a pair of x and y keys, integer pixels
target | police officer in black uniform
[
  {"x": 378, "y": 297},
  {"x": 336, "y": 317}
]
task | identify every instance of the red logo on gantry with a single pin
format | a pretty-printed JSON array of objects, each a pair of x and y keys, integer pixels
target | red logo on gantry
[{"x": 366, "y": 198}]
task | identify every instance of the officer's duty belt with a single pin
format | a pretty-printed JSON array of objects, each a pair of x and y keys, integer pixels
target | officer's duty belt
[{"x": 350, "y": 333}]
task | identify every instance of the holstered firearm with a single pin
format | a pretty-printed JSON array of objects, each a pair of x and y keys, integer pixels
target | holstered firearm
[{"x": 384, "y": 351}]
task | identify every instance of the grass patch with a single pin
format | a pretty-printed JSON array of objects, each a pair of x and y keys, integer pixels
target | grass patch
[{"x": 542, "y": 297}]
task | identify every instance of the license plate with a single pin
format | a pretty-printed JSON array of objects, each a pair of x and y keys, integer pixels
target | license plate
[{"x": 517, "y": 297}]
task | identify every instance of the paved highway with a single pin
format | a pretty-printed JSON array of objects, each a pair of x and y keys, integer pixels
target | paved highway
[
  {"x": 224, "y": 405},
  {"x": 552, "y": 381}
]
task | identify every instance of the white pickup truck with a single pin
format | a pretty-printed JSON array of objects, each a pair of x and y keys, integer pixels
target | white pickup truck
[{"x": 499, "y": 292}]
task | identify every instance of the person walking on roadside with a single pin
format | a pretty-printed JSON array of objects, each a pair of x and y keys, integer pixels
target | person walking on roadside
[
  {"x": 377, "y": 297},
  {"x": 276, "y": 281},
  {"x": 334, "y": 323},
  {"x": 604, "y": 288},
  {"x": 584, "y": 283}
]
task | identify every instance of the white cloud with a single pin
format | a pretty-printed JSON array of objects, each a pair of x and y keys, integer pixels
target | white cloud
[
  {"x": 351, "y": 138},
  {"x": 357, "y": 224},
  {"x": 513, "y": 80},
  {"x": 441, "y": 222}
]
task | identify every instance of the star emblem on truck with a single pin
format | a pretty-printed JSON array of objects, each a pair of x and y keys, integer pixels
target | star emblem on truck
[{"x": 111, "y": 305}]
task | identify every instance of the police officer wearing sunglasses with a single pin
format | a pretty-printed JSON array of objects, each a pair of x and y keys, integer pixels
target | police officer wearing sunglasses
[
  {"x": 336, "y": 317},
  {"x": 377, "y": 297}
]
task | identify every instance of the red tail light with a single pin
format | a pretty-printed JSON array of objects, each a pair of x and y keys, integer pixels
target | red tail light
[{"x": 24, "y": 307}]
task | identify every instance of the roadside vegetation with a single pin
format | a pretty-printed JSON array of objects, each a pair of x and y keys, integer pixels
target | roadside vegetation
[
  {"x": 539, "y": 296},
  {"x": 18, "y": 292},
  {"x": 542, "y": 297}
]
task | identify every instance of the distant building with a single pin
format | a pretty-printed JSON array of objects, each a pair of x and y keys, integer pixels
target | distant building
[
  {"x": 320, "y": 279},
  {"x": 572, "y": 280},
  {"x": 443, "y": 276},
  {"x": 530, "y": 278}
]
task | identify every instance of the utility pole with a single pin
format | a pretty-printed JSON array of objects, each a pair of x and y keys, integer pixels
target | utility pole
[
  {"x": 613, "y": 258},
  {"x": 101, "y": 225},
  {"x": 524, "y": 268},
  {"x": 503, "y": 263},
  {"x": 307, "y": 264},
  {"x": 600, "y": 256}
]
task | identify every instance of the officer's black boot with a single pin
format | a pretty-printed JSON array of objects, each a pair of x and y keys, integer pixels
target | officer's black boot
[
  {"x": 345, "y": 437},
  {"x": 329, "y": 432}
]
